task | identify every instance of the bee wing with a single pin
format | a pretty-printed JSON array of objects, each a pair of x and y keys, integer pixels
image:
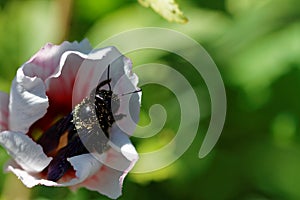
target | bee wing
[
  {"x": 50, "y": 138},
  {"x": 60, "y": 165}
]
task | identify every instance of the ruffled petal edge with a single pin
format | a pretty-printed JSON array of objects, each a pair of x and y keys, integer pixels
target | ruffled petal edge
[{"x": 24, "y": 151}]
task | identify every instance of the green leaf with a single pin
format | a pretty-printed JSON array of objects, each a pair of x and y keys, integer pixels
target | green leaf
[{"x": 168, "y": 9}]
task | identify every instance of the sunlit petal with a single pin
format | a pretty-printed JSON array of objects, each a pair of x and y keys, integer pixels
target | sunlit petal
[
  {"x": 24, "y": 151},
  {"x": 28, "y": 102}
]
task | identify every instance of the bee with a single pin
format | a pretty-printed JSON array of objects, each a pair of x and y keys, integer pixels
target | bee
[{"x": 87, "y": 128}]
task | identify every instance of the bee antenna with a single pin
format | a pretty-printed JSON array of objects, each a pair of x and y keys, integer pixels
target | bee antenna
[{"x": 136, "y": 91}]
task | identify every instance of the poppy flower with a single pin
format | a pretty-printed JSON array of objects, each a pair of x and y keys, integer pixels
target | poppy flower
[{"x": 46, "y": 89}]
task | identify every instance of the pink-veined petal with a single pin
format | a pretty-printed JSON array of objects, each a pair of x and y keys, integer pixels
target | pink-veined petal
[
  {"x": 127, "y": 155},
  {"x": 85, "y": 165},
  {"x": 4, "y": 99},
  {"x": 117, "y": 162},
  {"x": 46, "y": 61},
  {"x": 76, "y": 77},
  {"x": 60, "y": 85},
  {"x": 30, "y": 89},
  {"x": 24, "y": 151},
  {"x": 106, "y": 180}
]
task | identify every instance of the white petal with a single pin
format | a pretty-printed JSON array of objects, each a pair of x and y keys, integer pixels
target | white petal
[
  {"x": 107, "y": 180},
  {"x": 129, "y": 103},
  {"x": 29, "y": 180},
  {"x": 28, "y": 102},
  {"x": 120, "y": 142},
  {"x": 85, "y": 165},
  {"x": 24, "y": 151},
  {"x": 130, "y": 108},
  {"x": 4, "y": 99}
]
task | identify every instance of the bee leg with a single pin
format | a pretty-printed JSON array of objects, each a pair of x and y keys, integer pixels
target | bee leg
[{"x": 119, "y": 116}]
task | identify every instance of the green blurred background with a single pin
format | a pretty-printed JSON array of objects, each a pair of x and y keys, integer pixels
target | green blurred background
[{"x": 256, "y": 46}]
